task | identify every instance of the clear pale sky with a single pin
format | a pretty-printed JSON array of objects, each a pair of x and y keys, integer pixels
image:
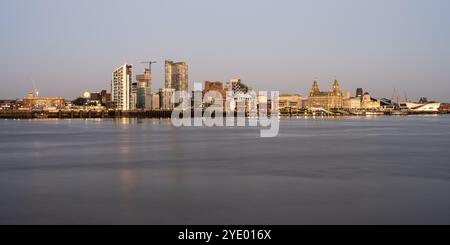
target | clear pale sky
[{"x": 71, "y": 46}]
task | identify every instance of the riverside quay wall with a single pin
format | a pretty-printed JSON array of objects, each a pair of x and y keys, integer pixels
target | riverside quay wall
[
  {"x": 18, "y": 114},
  {"x": 82, "y": 114},
  {"x": 62, "y": 114}
]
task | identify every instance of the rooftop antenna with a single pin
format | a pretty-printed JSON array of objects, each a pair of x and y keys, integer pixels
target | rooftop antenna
[{"x": 149, "y": 64}]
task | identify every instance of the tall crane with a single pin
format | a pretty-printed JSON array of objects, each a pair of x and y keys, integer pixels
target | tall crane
[
  {"x": 395, "y": 96},
  {"x": 35, "y": 90},
  {"x": 149, "y": 64}
]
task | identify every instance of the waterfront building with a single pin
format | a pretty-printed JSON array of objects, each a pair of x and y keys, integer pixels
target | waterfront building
[
  {"x": 121, "y": 87},
  {"x": 92, "y": 96},
  {"x": 364, "y": 102},
  {"x": 444, "y": 108},
  {"x": 264, "y": 105},
  {"x": 40, "y": 103},
  {"x": 352, "y": 103},
  {"x": 165, "y": 98},
  {"x": 326, "y": 100},
  {"x": 421, "y": 107},
  {"x": 133, "y": 98},
  {"x": 347, "y": 95},
  {"x": 387, "y": 104},
  {"x": 148, "y": 99},
  {"x": 242, "y": 100},
  {"x": 197, "y": 97},
  {"x": 176, "y": 75},
  {"x": 428, "y": 107},
  {"x": 88, "y": 100},
  {"x": 410, "y": 105},
  {"x": 7, "y": 104},
  {"x": 288, "y": 102},
  {"x": 368, "y": 103},
  {"x": 305, "y": 102},
  {"x": 237, "y": 86},
  {"x": 215, "y": 87},
  {"x": 103, "y": 97},
  {"x": 144, "y": 91},
  {"x": 155, "y": 105},
  {"x": 262, "y": 99}
]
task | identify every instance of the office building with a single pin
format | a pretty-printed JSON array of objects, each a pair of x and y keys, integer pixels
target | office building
[
  {"x": 165, "y": 98},
  {"x": 368, "y": 103},
  {"x": 217, "y": 87},
  {"x": 352, "y": 103},
  {"x": 289, "y": 102},
  {"x": 133, "y": 98},
  {"x": 155, "y": 105}
]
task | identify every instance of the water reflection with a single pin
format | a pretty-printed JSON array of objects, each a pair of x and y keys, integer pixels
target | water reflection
[{"x": 139, "y": 171}]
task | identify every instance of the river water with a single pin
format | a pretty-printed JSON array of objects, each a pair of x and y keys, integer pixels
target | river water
[{"x": 367, "y": 170}]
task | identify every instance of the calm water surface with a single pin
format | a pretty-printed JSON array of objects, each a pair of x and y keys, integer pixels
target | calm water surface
[{"x": 380, "y": 170}]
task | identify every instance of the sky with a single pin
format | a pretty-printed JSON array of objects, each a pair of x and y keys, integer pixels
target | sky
[{"x": 72, "y": 46}]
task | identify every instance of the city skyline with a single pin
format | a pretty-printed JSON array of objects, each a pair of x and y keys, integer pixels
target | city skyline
[{"x": 271, "y": 45}]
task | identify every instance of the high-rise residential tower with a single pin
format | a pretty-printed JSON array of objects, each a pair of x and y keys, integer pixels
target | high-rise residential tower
[
  {"x": 176, "y": 75},
  {"x": 144, "y": 91},
  {"x": 133, "y": 99},
  {"x": 121, "y": 87}
]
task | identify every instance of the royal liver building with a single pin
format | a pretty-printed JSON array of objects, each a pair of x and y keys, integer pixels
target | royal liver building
[{"x": 327, "y": 100}]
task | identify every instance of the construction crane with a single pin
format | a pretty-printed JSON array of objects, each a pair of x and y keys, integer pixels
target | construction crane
[
  {"x": 149, "y": 64},
  {"x": 35, "y": 90}
]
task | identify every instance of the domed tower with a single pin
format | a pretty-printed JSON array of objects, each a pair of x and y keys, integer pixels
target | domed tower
[
  {"x": 315, "y": 89},
  {"x": 336, "y": 90}
]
